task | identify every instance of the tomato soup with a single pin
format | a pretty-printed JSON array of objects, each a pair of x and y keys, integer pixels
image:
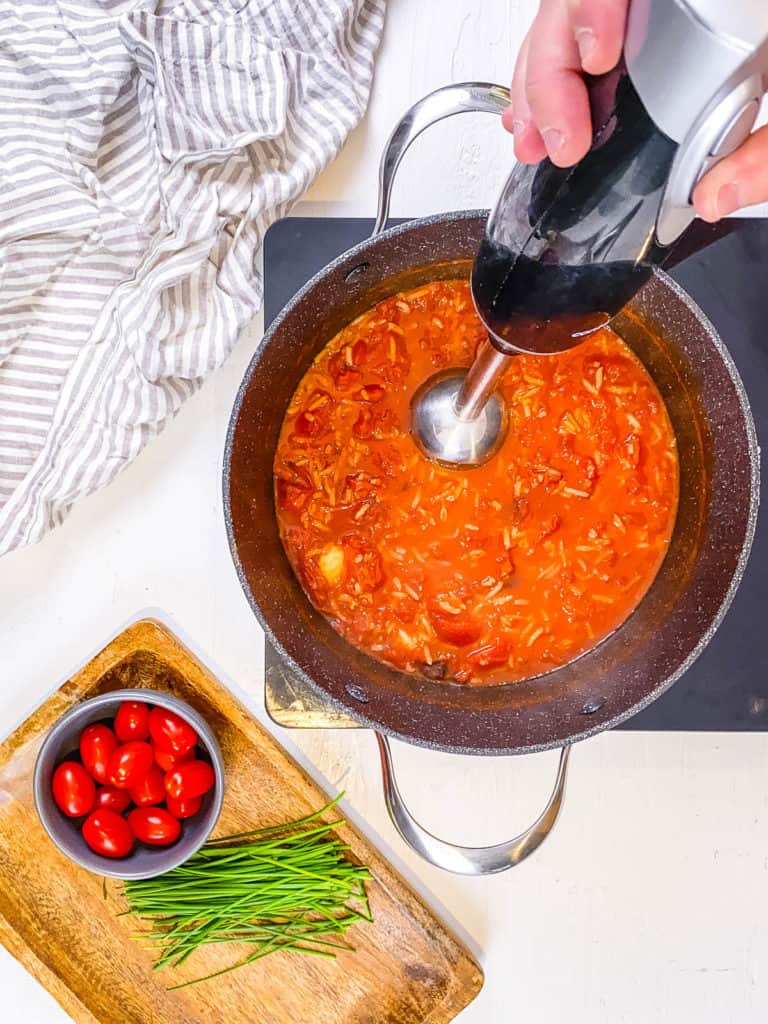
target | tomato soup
[{"x": 483, "y": 575}]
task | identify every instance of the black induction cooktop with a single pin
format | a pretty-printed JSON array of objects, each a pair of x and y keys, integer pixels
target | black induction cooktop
[{"x": 727, "y": 688}]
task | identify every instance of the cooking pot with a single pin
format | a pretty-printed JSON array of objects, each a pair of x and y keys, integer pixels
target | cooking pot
[{"x": 676, "y": 619}]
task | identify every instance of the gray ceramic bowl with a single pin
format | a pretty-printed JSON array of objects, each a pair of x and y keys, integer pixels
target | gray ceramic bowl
[{"x": 144, "y": 861}]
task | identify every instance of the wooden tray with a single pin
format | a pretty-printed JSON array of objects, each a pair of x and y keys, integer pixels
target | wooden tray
[{"x": 54, "y": 917}]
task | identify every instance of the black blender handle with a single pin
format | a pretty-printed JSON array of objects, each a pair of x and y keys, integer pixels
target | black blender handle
[
  {"x": 566, "y": 248},
  {"x": 629, "y": 159}
]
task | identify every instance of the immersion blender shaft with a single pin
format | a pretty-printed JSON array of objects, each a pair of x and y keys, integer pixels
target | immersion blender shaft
[{"x": 481, "y": 380}]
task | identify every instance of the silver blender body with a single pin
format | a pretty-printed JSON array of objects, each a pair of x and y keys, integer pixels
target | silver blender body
[{"x": 565, "y": 249}]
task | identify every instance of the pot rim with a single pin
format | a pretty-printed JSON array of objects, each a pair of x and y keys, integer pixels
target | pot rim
[{"x": 354, "y": 708}]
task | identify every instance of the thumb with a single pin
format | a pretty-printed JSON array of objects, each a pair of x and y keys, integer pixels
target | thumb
[{"x": 739, "y": 180}]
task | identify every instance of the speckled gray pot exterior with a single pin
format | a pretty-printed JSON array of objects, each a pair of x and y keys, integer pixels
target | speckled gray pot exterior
[
  {"x": 144, "y": 861},
  {"x": 642, "y": 659}
]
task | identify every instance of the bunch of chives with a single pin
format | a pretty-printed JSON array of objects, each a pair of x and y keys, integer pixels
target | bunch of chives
[{"x": 287, "y": 887}]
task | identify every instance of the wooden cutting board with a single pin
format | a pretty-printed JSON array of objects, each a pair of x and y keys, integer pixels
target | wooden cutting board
[{"x": 54, "y": 918}]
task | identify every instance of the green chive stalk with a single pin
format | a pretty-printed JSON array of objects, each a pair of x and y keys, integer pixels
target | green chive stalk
[{"x": 286, "y": 887}]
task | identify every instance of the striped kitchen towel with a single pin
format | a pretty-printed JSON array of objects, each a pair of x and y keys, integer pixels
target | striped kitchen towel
[{"x": 147, "y": 146}]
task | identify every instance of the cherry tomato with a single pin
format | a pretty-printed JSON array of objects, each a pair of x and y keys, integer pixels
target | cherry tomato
[
  {"x": 97, "y": 745},
  {"x": 112, "y": 799},
  {"x": 73, "y": 789},
  {"x": 170, "y": 732},
  {"x": 183, "y": 808},
  {"x": 190, "y": 779},
  {"x": 132, "y": 721},
  {"x": 129, "y": 764},
  {"x": 154, "y": 826},
  {"x": 168, "y": 760},
  {"x": 150, "y": 789},
  {"x": 107, "y": 833}
]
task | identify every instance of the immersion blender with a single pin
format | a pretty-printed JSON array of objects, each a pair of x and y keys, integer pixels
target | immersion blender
[{"x": 566, "y": 249}]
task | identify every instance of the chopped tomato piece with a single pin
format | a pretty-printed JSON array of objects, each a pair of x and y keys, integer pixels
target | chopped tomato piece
[
  {"x": 308, "y": 424},
  {"x": 490, "y": 655},
  {"x": 454, "y": 627},
  {"x": 384, "y": 423},
  {"x": 364, "y": 562},
  {"x": 314, "y": 581},
  {"x": 370, "y": 572},
  {"x": 315, "y": 417},
  {"x": 343, "y": 371},
  {"x": 359, "y": 353},
  {"x": 396, "y": 364},
  {"x": 371, "y": 393},
  {"x": 359, "y": 486},
  {"x": 370, "y": 423},
  {"x": 292, "y": 497},
  {"x": 363, "y": 426},
  {"x": 388, "y": 461}
]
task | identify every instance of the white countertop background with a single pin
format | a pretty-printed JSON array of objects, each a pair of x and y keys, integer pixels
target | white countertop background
[{"x": 647, "y": 905}]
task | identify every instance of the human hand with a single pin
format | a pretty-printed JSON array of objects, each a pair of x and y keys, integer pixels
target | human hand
[{"x": 549, "y": 114}]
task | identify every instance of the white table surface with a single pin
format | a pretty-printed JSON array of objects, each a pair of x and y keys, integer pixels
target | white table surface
[{"x": 647, "y": 904}]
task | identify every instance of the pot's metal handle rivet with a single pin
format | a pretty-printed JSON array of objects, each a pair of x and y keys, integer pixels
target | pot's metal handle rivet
[
  {"x": 356, "y": 273},
  {"x": 357, "y": 693},
  {"x": 469, "y": 860},
  {"x": 462, "y": 98},
  {"x": 593, "y": 706}
]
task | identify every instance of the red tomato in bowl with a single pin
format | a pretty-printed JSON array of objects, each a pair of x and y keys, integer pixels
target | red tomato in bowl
[
  {"x": 150, "y": 789},
  {"x": 132, "y": 721},
  {"x": 167, "y": 760},
  {"x": 154, "y": 826},
  {"x": 73, "y": 789},
  {"x": 183, "y": 808},
  {"x": 194, "y": 778},
  {"x": 170, "y": 732},
  {"x": 97, "y": 745},
  {"x": 107, "y": 833},
  {"x": 129, "y": 764},
  {"x": 112, "y": 799}
]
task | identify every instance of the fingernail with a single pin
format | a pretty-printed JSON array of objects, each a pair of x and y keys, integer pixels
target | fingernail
[
  {"x": 727, "y": 200},
  {"x": 553, "y": 140},
  {"x": 585, "y": 40},
  {"x": 517, "y": 126}
]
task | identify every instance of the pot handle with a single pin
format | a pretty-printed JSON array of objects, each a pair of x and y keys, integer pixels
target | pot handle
[
  {"x": 469, "y": 860},
  {"x": 464, "y": 97}
]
